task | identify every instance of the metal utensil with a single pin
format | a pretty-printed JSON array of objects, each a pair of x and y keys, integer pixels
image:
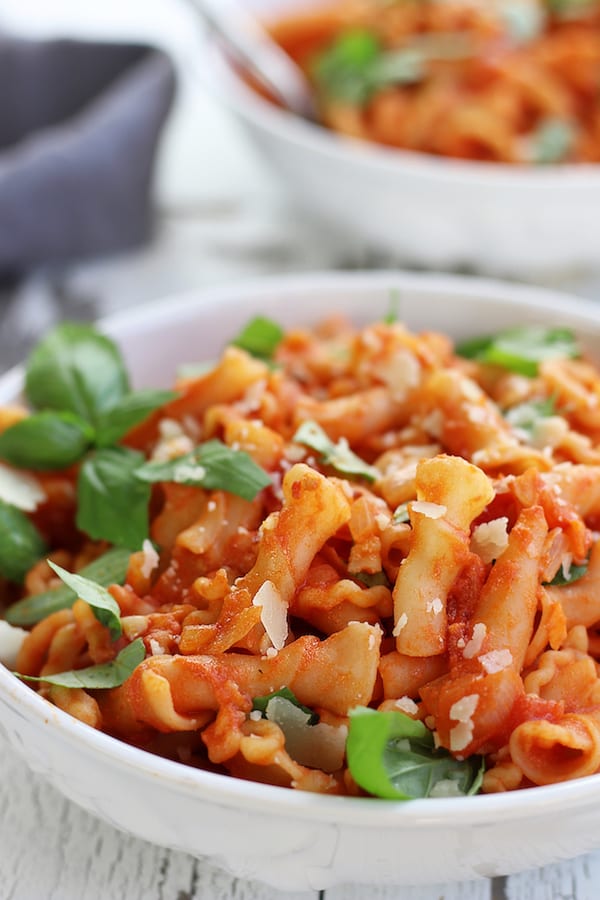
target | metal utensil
[{"x": 250, "y": 45}]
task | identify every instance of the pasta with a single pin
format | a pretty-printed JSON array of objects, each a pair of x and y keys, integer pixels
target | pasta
[
  {"x": 477, "y": 79},
  {"x": 418, "y": 550}
]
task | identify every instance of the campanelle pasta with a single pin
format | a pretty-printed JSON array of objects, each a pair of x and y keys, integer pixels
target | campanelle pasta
[{"x": 425, "y": 545}]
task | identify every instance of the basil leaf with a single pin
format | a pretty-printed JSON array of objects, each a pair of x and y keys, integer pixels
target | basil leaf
[
  {"x": 261, "y": 703},
  {"x": 76, "y": 368},
  {"x": 526, "y": 416},
  {"x": 401, "y": 515},
  {"x": 46, "y": 440},
  {"x": 103, "y": 605},
  {"x": 212, "y": 465},
  {"x": 393, "y": 756},
  {"x": 575, "y": 573},
  {"x": 260, "y": 338},
  {"x": 392, "y": 314},
  {"x": 112, "y": 502},
  {"x": 343, "y": 70},
  {"x": 374, "y": 579},
  {"x": 110, "y": 568},
  {"x": 339, "y": 456},
  {"x": 521, "y": 349},
  {"x": 551, "y": 142},
  {"x": 132, "y": 409},
  {"x": 107, "y": 675},
  {"x": 21, "y": 544}
]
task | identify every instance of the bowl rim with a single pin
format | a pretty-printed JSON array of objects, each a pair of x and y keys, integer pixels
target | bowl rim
[
  {"x": 227, "y": 85},
  {"x": 225, "y": 790}
]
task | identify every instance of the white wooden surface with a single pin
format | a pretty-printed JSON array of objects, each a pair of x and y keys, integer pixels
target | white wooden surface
[{"x": 219, "y": 218}]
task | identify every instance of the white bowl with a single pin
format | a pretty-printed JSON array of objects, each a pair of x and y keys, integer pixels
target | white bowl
[
  {"x": 296, "y": 840},
  {"x": 421, "y": 209}
]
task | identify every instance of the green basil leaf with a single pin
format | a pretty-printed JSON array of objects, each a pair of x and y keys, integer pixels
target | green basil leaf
[
  {"x": 214, "y": 466},
  {"x": 339, "y": 456},
  {"x": 107, "y": 675},
  {"x": 551, "y": 142},
  {"x": 76, "y": 368},
  {"x": 21, "y": 544},
  {"x": 375, "y": 579},
  {"x": 574, "y": 574},
  {"x": 401, "y": 515},
  {"x": 261, "y": 703},
  {"x": 130, "y": 410},
  {"x": 521, "y": 349},
  {"x": 343, "y": 71},
  {"x": 110, "y": 568},
  {"x": 569, "y": 8},
  {"x": 393, "y": 756},
  {"x": 260, "y": 338},
  {"x": 112, "y": 502},
  {"x": 392, "y": 314},
  {"x": 46, "y": 440},
  {"x": 526, "y": 416},
  {"x": 103, "y": 605}
]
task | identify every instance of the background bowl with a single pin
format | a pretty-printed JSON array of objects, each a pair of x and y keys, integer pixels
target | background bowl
[
  {"x": 421, "y": 209},
  {"x": 289, "y": 839}
]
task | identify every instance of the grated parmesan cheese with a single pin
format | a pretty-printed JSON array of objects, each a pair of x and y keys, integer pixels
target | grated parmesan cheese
[
  {"x": 400, "y": 624},
  {"x": 429, "y": 510},
  {"x": 549, "y": 432},
  {"x": 490, "y": 539},
  {"x": 496, "y": 661},
  {"x": 151, "y": 559},
  {"x": 462, "y": 712},
  {"x": 11, "y": 639},
  {"x": 407, "y": 705},
  {"x": 473, "y": 647},
  {"x": 273, "y": 614},
  {"x": 435, "y": 606},
  {"x": 155, "y": 647},
  {"x": 20, "y": 489}
]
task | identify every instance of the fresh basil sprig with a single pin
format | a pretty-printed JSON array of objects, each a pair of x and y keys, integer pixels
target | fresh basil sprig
[
  {"x": 103, "y": 605},
  {"x": 77, "y": 382},
  {"x": 76, "y": 368},
  {"x": 521, "y": 349},
  {"x": 112, "y": 502},
  {"x": 108, "y": 675},
  {"x": 393, "y": 756},
  {"x": 260, "y": 338},
  {"x": 21, "y": 544},
  {"x": 339, "y": 456},
  {"x": 110, "y": 568},
  {"x": 212, "y": 465},
  {"x": 261, "y": 703}
]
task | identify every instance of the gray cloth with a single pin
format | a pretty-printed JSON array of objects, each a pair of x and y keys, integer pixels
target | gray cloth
[{"x": 79, "y": 127}]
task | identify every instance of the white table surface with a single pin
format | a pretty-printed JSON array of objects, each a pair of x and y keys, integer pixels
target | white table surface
[{"x": 220, "y": 217}]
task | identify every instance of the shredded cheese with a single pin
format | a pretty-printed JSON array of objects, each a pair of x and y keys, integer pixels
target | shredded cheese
[
  {"x": 496, "y": 661},
  {"x": 490, "y": 539},
  {"x": 400, "y": 624},
  {"x": 473, "y": 647},
  {"x": 274, "y": 613},
  {"x": 462, "y": 712},
  {"x": 429, "y": 510}
]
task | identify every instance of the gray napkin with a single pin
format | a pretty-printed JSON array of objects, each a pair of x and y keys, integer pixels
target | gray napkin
[{"x": 79, "y": 127}]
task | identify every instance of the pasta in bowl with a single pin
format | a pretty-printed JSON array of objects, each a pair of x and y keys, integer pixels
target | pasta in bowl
[
  {"x": 450, "y": 134},
  {"x": 369, "y": 576}
]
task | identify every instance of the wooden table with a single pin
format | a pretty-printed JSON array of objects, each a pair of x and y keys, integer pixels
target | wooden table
[{"x": 219, "y": 218}]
